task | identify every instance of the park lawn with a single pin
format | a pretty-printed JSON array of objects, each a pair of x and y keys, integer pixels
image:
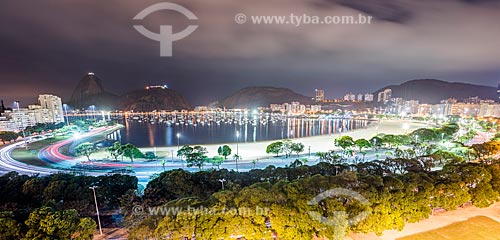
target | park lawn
[
  {"x": 29, "y": 155},
  {"x": 474, "y": 228}
]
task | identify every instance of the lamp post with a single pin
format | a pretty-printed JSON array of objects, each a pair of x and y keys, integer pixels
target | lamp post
[
  {"x": 92, "y": 108},
  {"x": 222, "y": 182},
  {"x": 97, "y": 209},
  {"x": 20, "y": 119},
  {"x": 237, "y": 148}
]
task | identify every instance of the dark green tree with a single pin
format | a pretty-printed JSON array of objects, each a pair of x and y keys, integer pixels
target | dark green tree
[
  {"x": 131, "y": 151},
  {"x": 150, "y": 156},
  {"x": 195, "y": 156},
  {"x": 286, "y": 147},
  {"x": 224, "y": 151},
  {"x": 297, "y": 148},
  {"x": 275, "y": 148},
  {"x": 344, "y": 142},
  {"x": 216, "y": 161},
  {"x": 9, "y": 228},
  {"x": 45, "y": 223},
  {"x": 85, "y": 149},
  {"x": 8, "y": 136},
  {"x": 115, "y": 150},
  {"x": 376, "y": 142}
]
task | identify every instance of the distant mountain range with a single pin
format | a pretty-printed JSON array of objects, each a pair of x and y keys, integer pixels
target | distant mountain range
[
  {"x": 153, "y": 99},
  {"x": 432, "y": 91},
  {"x": 253, "y": 97},
  {"x": 90, "y": 91}
]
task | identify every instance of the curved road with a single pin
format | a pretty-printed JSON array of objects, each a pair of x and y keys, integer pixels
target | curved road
[
  {"x": 52, "y": 155},
  {"x": 10, "y": 164}
]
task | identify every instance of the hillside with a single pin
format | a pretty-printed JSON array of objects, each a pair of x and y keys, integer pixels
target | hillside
[
  {"x": 433, "y": 91},
  {"x": 153, "y": 99},
  {"x": 252, "y": 97},
  {"x": 90, "y": 91}
]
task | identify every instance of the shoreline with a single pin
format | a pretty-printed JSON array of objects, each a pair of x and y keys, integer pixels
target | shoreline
[{"x": 257, "y": 150}]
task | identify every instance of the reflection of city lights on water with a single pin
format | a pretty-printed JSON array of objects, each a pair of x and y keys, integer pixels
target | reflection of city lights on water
[{"x": 219, "y": 127}]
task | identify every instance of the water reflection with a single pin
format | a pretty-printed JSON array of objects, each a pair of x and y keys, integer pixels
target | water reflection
[{"x": 205, "y": 129}]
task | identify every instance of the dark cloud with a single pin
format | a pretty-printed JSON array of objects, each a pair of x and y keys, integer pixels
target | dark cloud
[
  {"x": 385, "y": 10},
  {"x": 47, "y": 46}
]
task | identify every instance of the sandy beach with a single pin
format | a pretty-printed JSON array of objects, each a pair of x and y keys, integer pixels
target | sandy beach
[{"x": 257, "y": 150}]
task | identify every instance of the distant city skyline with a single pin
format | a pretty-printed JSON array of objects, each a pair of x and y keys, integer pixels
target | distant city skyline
[{"x": 49, "y": 47}]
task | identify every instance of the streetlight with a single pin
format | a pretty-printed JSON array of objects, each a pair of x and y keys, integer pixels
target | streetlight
[
  {"x": 20, "y": 119},
  {"x": 96, "y": 209},
  {"x": 222, "y": 182},
  {"x": 178, "y": 140},
  {"x": 92, "y": 108},
  {"x": 65, "y": 106},
  {"x": 309, "y": 151},
  {"x": 237, "y": 148}
]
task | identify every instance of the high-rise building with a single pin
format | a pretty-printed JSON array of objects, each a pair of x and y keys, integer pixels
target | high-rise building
[
  {"x": 49, "y": 110},
  {"x": 467, "y": 109},
  {"x": 473, "y": 100},
  {"x": 380, "y": 97},
  {"x": 315, "y": 108},
  {"x": 320, "y": 95},
  {"x": 368, "y": 97},
  {"x": 384, "y": 96},
  {"x": 277, "y": 107},
  {"x": 294, "y": 107},
  {"x": 2, "y": 107},
  {"x": 424, "y": 109},
  {"x": 350, "y": 97},
  {"x": 359, "y": 97},
  {"x": 54, "y": 105}
]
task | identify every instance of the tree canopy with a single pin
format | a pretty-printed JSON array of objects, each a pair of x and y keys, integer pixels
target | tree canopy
[{"x": 85, "y": 149}]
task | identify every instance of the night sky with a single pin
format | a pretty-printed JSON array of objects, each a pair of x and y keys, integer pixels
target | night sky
[{"x": 47, "y": 46}]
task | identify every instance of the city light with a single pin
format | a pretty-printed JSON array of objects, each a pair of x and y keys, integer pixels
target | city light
[
  {"x": 178, "y": 140},
  {"x": 349, "y": 128},
  {"x": 405, "y": 127},
  {"x": 77, "y": 135}
]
